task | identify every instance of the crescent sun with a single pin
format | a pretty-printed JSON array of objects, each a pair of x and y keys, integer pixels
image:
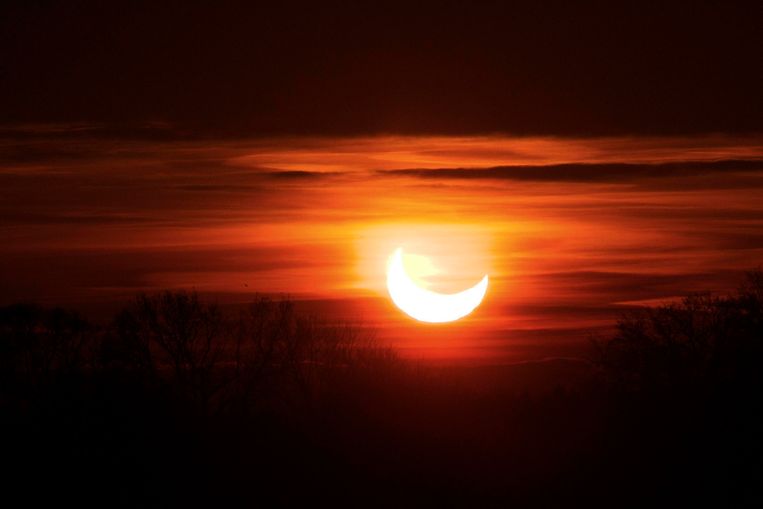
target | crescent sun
[{"x": 425, "y": 305}]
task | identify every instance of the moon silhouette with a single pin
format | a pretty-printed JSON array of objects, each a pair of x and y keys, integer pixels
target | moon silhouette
[{"x": 425, "y": 305}]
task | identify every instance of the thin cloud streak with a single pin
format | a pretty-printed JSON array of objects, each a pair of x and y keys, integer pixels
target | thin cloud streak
[{"x": 598, "y": 172}]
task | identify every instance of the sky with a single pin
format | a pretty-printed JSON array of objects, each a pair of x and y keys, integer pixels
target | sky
[
  {"x": 572, "y": 231},
  {"x": 337, "y": 67},
  {"x": 590, "y": 158}
]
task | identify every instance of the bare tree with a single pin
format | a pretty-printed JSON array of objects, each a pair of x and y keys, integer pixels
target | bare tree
[
  {"x": 176, "y": 331},
  {"x": 39, "y": 345},
  {"x": 294, "y": 355},
  {"x": 701, "y": 340}
]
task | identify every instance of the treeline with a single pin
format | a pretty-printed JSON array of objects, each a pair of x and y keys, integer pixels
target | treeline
[
  {"x": 684, "y": 399},
  {"x": 175, "y": 392},
  {"x": 177, "y": 403},
  {"x": 175, "y": 342}
]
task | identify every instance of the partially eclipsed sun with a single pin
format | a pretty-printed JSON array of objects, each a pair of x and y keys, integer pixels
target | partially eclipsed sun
[{"x": 425, "y": 305}]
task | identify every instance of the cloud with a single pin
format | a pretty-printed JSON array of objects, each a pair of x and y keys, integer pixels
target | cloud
[
  {"x": 593, "y": 173},
  {"x": 299, "y": 175}
]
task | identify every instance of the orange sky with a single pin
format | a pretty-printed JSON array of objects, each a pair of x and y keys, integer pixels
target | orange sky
[{"x": 571, "y": 231}]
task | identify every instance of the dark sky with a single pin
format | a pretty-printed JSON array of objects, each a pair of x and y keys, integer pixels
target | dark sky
[{"x": 358, "y": 68}]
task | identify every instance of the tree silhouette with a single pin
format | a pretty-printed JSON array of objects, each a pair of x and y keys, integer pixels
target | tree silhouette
[
  {"x": 176, "y": 331},
  {"x": 700, "y": 342},
  {"x": 277, "y": 347},
  {"x": 38, "y": 345},
  {"x": 684, "y": 408},
  {"x": 270, "y": 356}
]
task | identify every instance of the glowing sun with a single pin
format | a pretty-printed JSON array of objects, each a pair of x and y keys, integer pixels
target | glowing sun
[{"x": 425, "y": 305}]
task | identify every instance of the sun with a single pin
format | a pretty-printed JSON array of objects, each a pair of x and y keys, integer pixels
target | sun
[{"x": 425, "y": 305}]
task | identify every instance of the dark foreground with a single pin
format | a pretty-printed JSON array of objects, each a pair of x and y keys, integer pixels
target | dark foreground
[{"x": 176, "y": 405}]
